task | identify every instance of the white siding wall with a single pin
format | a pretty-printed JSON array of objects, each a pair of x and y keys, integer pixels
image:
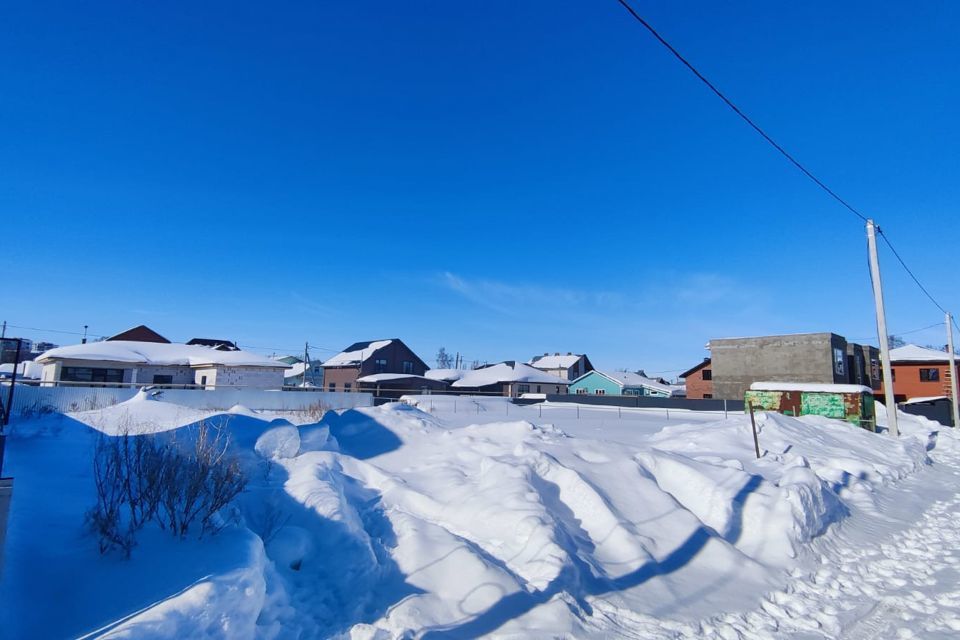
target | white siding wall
[{"x": 181, "y": 374}]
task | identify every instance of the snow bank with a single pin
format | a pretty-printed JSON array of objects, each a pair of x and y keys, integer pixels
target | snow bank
[{"x": 481, "y": 517}]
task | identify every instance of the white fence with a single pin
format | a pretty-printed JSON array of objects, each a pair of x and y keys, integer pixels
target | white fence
[{"x": 30, "y": 399}]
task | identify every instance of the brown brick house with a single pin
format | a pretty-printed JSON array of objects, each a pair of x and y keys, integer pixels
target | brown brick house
[
  {"x": 918, "y": 372},
  {"x": 363, "y": 359},
  {"x": 699, "y": 380}
]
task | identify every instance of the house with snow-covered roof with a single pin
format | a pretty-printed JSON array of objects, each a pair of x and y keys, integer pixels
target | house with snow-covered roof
[
  {"x": 918, "y": 372},
  {"x": 157, "y": 363},
  {"x": 361, "y": 359},
  {"x": 510, "y": 378},
  {"x": 570, "y": 366},
  {"x": 623, "y": 383}
]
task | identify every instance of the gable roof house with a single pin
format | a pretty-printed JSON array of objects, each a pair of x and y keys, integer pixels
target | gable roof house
[
  {"x": 569, "y": 367},
  {"x": 623, "y": 383},
  {"x": 919, "y": 372},
  {"x": 511, "y": 379},
  {"x": 159, "y": 363},
  {"x": 698, "y": 380},
  {"x": 343, "y": 371}
]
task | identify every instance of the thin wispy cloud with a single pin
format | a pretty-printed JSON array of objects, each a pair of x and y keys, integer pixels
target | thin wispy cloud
[{"x": 518, "y": 299}]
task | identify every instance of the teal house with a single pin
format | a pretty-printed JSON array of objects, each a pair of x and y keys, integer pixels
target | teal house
[{"x": 622, "y": 383}]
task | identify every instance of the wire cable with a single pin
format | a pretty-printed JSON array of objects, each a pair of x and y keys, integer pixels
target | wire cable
[
  {"x": 739, "y": 112},
  {"x": 910, "y": 272}
]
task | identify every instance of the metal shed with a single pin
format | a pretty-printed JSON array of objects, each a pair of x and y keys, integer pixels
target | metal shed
[{"x": 850, "y": 402}]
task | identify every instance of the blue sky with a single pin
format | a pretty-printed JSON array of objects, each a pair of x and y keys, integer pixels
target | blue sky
[{"x": 499, "y": 178}]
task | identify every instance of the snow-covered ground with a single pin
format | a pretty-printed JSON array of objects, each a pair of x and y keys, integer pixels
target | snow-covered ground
[{"x": 464, "y": 517}]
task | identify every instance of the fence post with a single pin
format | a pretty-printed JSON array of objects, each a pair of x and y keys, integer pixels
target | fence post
[
  {"x": 753, "y": 424},
  {"x": 619, "y": 414},
  {"x": 578, "y": 412},
  {"x": 454, "y": 405},
  {"x": 539, "y": 410},
  {"x": 724, "y": 408}
]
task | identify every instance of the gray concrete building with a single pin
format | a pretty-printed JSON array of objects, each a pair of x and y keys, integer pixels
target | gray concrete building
[{"x": 824, "y": 358}]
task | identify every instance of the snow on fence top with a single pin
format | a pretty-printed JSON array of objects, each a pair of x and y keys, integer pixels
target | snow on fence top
[
  {"x": 158, "y": 353},
  {"x": 503, "y": 372},
  {"x": 358, "y": 354},
  {"x": 913, "y": 353},
  {"x": 810, "y": 386}
]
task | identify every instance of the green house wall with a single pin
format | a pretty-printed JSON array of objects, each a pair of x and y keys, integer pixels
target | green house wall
[{"x": 593, "y": 381}]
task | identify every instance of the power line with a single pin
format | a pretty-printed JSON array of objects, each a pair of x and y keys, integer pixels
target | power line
[
  {"x": 739, "y": 112},
  {"x": 910, "y": 273},
  {"x": 626, "y": 5}
]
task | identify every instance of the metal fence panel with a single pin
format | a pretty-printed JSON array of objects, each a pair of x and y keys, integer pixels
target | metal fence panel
[
  {"x": 33, "y": 400},
  {"x": 641, "y": 402}
]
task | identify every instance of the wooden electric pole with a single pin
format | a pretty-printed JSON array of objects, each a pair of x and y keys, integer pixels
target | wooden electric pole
[
  {"x": 882, "y": 330},
  {"x": 953, "y": 373}
]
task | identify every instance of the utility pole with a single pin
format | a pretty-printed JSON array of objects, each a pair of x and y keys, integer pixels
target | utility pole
[
  {"x": 882, "y": 330},
  {"x": 953, "y": 373},
  {"x": 3, "y": 334},
  {"x": 306, "y": 365},
  {"x": 84, "y": 341}
]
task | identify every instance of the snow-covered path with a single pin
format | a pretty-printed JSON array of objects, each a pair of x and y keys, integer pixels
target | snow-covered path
[{"x": 890, "y": 574}]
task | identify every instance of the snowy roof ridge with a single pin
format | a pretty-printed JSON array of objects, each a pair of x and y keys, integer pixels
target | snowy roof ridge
[
  {"x": 157, "y": 353},
  {"x": 555, "y": 361},
  {"x": 357, "y": 353},
  {"x": 810, "y": 386},
  {"x": 916, "y": 353},
  {"x": 505, "y": 372}
]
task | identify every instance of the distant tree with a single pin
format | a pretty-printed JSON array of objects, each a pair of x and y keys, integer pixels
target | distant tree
[
  {"x": 443, "y": 359},
  {"x": 937, "y": 347},
  {"x": 895, "y": 341}
]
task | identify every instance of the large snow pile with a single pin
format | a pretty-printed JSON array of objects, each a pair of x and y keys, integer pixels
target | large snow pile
[{"x": 392, "y": 522}]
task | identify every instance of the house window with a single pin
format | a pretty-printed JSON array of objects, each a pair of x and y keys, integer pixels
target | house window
[
  {"x": 381, "y": 365},
  {"x": 581, "y": 391},
  {"x": 162, "y": 379},
  {"x": 90, "y": 374},
  {"x": 522, "y": 389},
  {"x": 347, "y": 387},
  {"x": 632, "y": 392},
  {"x": 707, "y": 396},
  {"x": 203, "y": 380},
  {"x": 929, "y": 375},
  {"x": 600, "y": 392},
  {"x": 332, "y": 387},
  {"x": 407, "y": 366},
  {"x": 839, "y": 361},
  {"x": 708, "y": 374}
]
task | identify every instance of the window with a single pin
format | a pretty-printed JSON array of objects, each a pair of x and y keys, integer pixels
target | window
[
  {"x": 599, "y": 392},
  {"x": 203, "y": 380},
  {"x": 707, "y": 396},
  {"x": 839, "y": 361},
  {"x": 538, "y": 388},
  {"x": 407, "y": 366},
  {"x": 581, "y": 391},
  {"x": 708, "y": 374},
  {"x": 522, "y": 389},
  {"x": 631, "y": 392},
  {"x": 382, "y": 365},
  {"x": 162, "y": 379},
  {"x": 90, "y": 374},
  {"x": 332, "y": 387},
  {"x": 929, "y": 375},
  {"x": 347, "y": 386}
]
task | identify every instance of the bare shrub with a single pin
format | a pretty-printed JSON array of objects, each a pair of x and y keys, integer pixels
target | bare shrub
[
  {"x": 153, "y": 478},
  {"x": 316, "y": 410}
]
